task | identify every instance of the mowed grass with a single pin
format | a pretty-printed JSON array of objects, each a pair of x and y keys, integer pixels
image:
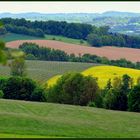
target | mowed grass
[
  {"x": 103, "y": 74},
  {"x": 44, "y": 70},
  {"x": 13, "y": 37},
  {"x": 32, "y": 119},
  {"x": 20, "y": 136}
]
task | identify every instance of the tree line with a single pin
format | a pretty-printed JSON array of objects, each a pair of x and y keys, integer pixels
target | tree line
[
  {"x": 72, "y": 30},
  {"x": 113, "y": 39},
  {"x": 95, "y": 36},
  {"x": 24, "y": 30},
  {"x": 35, "y": 52},
  {"x": 76, "y": 89}
]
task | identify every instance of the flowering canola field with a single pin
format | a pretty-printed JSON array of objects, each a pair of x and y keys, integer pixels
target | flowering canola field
[{"x": 103, "y": 73}]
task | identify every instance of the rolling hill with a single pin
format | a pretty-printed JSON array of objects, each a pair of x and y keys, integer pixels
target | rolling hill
[
  {"x": 33, "y": 119},
  {"x": 44, "y": 70},
  {"x": 104, "y": 73},
  {"x": 110, "y": 52},
  {"x": 118, "y": 21}
]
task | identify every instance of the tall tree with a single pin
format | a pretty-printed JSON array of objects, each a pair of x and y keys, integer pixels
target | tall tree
[{"x": 17, "y": 65}]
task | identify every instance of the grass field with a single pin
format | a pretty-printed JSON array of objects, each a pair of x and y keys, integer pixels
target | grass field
[
  {"x": 43, "y": 70},
  {"x": 12, "y": 37},
  {"x": 65, "y": 39},
  {"x": 32, "y": 119},
  {"x": 104, "y": 73}
]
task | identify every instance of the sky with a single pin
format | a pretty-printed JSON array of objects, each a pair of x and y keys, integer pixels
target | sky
[{"x": 69, "y": 7}]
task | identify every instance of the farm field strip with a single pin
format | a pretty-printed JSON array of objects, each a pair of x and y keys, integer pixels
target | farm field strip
[
  {"x": 108, "y": 51},
  {"x": 44, "y": 70}
]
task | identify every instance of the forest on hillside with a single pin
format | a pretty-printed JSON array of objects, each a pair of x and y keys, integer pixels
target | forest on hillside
[{"x": 95, "y": 36}]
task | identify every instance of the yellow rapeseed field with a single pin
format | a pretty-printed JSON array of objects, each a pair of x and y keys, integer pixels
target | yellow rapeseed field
[
  {"x": 104, "y": 73},
  {"x": 53, "y": 80}
]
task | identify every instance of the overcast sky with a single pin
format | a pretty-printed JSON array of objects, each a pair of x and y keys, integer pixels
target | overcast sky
[{"x": 69, "y": 7}]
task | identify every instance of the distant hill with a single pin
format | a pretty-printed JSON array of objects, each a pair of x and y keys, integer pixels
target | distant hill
[
  {"x": 120, "y": 14},
  {"x": 33, "y": 15},
  {"x": 122, "y": 22}
]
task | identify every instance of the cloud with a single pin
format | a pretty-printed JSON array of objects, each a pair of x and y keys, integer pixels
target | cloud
[{"x": 69, "y": 7}]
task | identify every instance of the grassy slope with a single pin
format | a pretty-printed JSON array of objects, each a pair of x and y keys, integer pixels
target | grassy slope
[
  {"x": 12, "y": 37},
  {"x": 19, "y": 118},
  {"x": 43, "y": 70}
]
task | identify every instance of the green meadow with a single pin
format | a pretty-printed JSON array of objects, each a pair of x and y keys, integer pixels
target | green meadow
[
  {"x": 12, "y": 37},
  {"x": 34, "y": 119}
]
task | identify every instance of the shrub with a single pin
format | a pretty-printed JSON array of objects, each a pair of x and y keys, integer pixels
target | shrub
[
  {"x": 91, "y": 104},
  {"x": 1, "y": 94},
  {"x": 53, "y": 38},
  {"x": 116, "y": 97},
  {"x": 81, "y": 41},
  {"x": 3, "y": 82},
  {"x": 99, "y": 100},
  {"x": 134, "y": 99},
  {"x": 30, "y": 57},
  {"x": 38, "y": 94},
  {"x": 19, "y": 88}
]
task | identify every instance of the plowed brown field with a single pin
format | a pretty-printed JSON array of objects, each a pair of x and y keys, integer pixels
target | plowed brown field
[{"x": 108, "y": 51}]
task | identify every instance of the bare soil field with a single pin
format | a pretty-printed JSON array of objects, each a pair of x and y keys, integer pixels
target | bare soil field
[{"x": 107, "y": 51}]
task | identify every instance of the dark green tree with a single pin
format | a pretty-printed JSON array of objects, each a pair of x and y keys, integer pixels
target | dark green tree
[
  {"x": 19, "y": 88},
  {"x": 134, "y": 99},
  {"x": 73, "y": 88},
  {"x": 94, "y": 40},
  {"x": 116, "y": 97}
]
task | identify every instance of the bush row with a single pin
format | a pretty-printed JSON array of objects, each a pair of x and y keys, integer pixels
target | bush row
[{"x": 21, "y": 88}]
